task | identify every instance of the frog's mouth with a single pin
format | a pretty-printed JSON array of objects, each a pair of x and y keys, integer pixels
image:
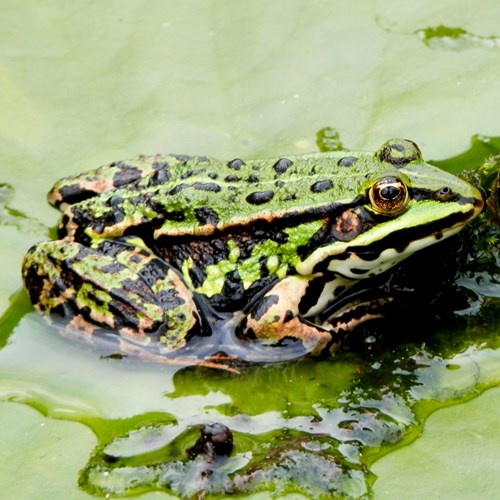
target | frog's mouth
[{"x": 404, "y": 239}]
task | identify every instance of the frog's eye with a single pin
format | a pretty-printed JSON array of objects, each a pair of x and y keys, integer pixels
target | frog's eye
[{"x": 389, "y": 196}]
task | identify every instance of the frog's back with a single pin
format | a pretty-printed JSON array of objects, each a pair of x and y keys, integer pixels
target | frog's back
[{"x": 196, "y": 195}]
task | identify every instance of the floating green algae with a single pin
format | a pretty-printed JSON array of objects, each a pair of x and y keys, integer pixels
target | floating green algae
[{"x": 455, "y": 38}]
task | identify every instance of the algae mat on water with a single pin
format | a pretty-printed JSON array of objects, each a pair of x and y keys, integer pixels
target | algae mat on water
[{"x": 86, "y": 83}]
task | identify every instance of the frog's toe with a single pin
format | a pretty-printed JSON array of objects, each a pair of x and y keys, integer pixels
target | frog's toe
[{"x": 115, "y": 286}]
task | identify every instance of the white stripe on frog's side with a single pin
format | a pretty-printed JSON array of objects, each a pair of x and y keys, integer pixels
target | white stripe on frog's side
[{"x": 345, "y": 278}]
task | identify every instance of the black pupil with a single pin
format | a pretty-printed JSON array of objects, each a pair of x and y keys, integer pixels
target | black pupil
[{"x": 389, "y": 192}]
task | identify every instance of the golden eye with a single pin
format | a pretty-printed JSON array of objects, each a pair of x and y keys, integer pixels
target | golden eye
[{"x": 389, "y": 196}]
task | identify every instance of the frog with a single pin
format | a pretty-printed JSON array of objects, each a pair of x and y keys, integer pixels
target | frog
[{"x": 150, "y": 247}]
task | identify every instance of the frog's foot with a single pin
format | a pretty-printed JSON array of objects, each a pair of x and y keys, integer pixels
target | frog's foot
[
  {"x": 355, "y": 309},
  {"x": 275, "y": 318},
  {"x": 114, "y": 286}
]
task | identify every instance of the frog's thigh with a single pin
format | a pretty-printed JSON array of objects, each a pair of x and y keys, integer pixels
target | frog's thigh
[
  {"x": 276, "y": 316},
  {"x": 115, "y": 285}
]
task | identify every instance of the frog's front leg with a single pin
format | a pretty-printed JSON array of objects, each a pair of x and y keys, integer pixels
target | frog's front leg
[
  {"x": 112, "y": 287},
  {"x": 276, "y": 317}
]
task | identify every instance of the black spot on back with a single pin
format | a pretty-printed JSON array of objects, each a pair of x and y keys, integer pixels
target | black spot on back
[
  {"x": 282, "y": 165},
  {"x": 260, "y": 197},
  {"x": 126, "y": 174},
  {"x": 253, "y": 179},
  {"x": 207, "y": 186},
  {"x": 114, "y": 201},
  {"x": 159, "y": 165},
  {"x": 159, "y": 177},
  {"x": 347, "y": 161},
  {"x": 190, "y": 173},
  {"x": 178, "y": 188},
  {"x": 320, "y": 186},
  {"x": 74, "y": 193},
  {"x": 236, "y": 164}
]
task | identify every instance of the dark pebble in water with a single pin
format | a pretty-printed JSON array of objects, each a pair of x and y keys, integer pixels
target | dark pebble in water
[{"x": 216, "y": 440}]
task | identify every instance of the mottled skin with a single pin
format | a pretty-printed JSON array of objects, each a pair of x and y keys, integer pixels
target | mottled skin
[{"x": 144, "y": 241}]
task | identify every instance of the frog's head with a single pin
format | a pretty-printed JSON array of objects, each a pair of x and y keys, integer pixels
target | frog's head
[{"x": 403, "y": 205}]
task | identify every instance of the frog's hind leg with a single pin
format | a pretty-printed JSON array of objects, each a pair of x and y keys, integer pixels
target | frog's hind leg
[
  {"x": 112, "y": 287},
  {"x": 275, "y": 318}
]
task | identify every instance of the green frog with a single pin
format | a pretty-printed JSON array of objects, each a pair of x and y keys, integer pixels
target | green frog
[{"x": 150, "y": 247}]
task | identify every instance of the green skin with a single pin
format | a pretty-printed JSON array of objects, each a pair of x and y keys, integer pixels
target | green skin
[{"x": 275, "y": 242}]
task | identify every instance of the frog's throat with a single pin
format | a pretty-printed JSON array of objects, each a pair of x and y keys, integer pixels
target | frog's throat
[{"x": 342, "y": 273}]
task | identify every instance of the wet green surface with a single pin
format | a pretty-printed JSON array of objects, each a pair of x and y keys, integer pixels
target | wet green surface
[{"x": 84, "y": 84}]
